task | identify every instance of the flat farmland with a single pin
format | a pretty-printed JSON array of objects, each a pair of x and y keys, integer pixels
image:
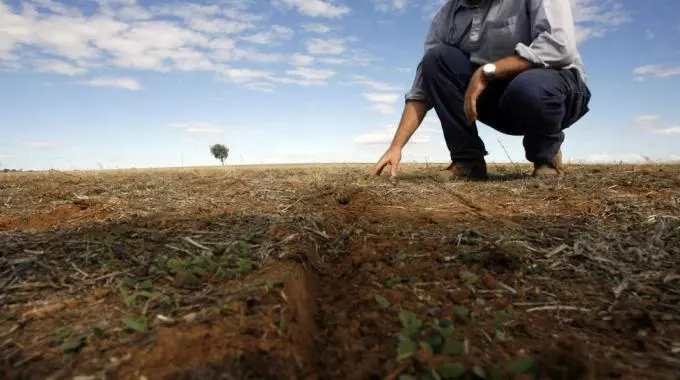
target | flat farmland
[{"x": 321, "y": 272}]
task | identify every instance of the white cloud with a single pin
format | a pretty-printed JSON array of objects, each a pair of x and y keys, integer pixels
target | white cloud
[
  {"x": 629, "y": 158},
  {"x": 372, "y": 83},
  {"x": 197, "y": 127},
  {"x": 316, "y": 28},
  {"x": 266, "y": 87},
  {"x": 594, "y": 18},
  {"x": 585, "y": 33},
  {"x": 335, "y": 51},
  {"x": 244, "y": 75},
  {"x": 657, "y": 71},
  {"x": 301, "y": 60},
  {"x": 675, "y": 129},
  {"x": 39, "y": 144},
  {"x": 60, "y": 67},
  {"x": 381, "y": 97},
  {"x": 334, "y": 61},
  {"x": 389, "y": 5},
  {"x": 276, "y": 34},
  {"x": 649, "y": 34},
  {"x": 606, "y": 12},
  {"x": 431, "y": 120},
  {"x": 62, "y": 38},
  {"x": 384, "y": 135},
  {"x": 307, "y": 76},
  {"x": 119, "y": 82},
  {"x": 383, "y": 102},
  {"x": 654, "y": 124},
  {"x": 330, "y": 46},
  {"x": 646, "y": 119},
  {"x": 251, "y": 55},
  {"x": 219, "y": 26},
  {"x": 615, "y": 157},
  {"x": 315, "y": 8}
]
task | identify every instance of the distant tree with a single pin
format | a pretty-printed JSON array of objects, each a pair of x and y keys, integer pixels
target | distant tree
[{"x": 220, "y": 152}]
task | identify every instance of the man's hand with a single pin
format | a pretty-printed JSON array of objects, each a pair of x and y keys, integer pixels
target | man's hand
[
  {"x": 392, "y": 157},
  {"x": 475, "y": 88},
  {"x": 505, "y": 68},
  {"x": 414, "y": 112}
]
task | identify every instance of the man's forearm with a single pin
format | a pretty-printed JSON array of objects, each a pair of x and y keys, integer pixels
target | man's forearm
[
  {"x": 512, "y": 65},
  {"x": 413, "y": 115}
]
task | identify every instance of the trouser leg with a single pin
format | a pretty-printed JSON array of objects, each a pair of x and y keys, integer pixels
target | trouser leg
[
  {"x": 446, "y": 74},
  {"x": 542, "y": 103}
]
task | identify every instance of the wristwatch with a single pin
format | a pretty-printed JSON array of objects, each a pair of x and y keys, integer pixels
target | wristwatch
[{"x": 489, "y": 71}]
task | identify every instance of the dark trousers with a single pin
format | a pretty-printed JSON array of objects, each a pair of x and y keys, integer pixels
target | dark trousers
[{"x": 537, "y": 104}]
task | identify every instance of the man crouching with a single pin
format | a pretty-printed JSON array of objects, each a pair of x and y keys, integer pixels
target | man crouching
[{"x": 512, "y": 65}]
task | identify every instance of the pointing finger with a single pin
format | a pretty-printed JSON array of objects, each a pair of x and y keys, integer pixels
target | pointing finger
[{"x": 379, "y": 167}]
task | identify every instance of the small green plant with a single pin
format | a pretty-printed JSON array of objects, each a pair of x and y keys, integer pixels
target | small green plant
[
  {"x": 138, "y": 324},
  {"x": 231, "y": 261},
  {"x": 271, "y": 285},
  {"x": 74, "y": 345},
  {"x": 70, "y": 341},
  {"x": 397, "y": 280},
  {"x": 500, "y": 319},
  {"x": 400, "y": 258},
  {"x": 131, "y": 290},
  {"x": 461, "y": 313},
  {"x": 63, "y": 333},
  {"x": 382, "y": 301},
  {"x": 523, "y": 365},
  {"x": 432, "y": 338},
  {"x": 435, "y": 338}
]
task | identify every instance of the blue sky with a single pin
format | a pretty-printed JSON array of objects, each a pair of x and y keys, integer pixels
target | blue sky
[{"x": 125, "y": 83}]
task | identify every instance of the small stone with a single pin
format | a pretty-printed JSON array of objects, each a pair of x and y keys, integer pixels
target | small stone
[
  {"x": 468, "y": 277},
  {"x": 184, "y": 279},
  {"x": 252, "y": 302},
  {"x": 190, "y": 317},
  {"x": 22, "y": 264},
  {"x": 164, "y": 319}
]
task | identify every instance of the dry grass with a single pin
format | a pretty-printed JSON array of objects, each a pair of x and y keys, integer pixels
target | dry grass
[{"x": 117, "y": 272}]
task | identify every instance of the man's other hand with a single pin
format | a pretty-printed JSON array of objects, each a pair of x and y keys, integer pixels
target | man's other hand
[
  {"x": 392, "y": 157},
  {"x": 475, "y": 88}
]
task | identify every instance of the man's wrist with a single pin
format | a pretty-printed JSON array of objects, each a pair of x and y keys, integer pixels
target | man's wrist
[{"x": 488, "y": 71}]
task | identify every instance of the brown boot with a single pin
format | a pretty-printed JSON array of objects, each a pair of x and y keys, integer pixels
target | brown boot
[
  {"x": 469, "y": 169},
  {"x": 553, "y": 169}
]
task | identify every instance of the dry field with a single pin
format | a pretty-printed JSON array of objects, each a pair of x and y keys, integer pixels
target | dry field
[{"x": 320, "y": 272}]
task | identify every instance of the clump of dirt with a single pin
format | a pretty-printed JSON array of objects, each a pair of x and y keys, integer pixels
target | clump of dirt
[{"x": 268, "y": 336}]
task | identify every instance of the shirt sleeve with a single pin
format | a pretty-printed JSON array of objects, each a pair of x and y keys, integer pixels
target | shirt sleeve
[
  {"x": 553, "y": 33},
  {"x": 433, "y": 38}
]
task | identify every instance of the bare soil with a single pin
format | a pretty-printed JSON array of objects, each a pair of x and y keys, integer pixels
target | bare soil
[{"x": 323, "y": 273}]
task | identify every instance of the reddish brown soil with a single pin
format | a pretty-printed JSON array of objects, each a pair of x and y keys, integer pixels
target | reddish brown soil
[
  {"x": 581, "y": 275},
  {"x": 58, "y": 217}
]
